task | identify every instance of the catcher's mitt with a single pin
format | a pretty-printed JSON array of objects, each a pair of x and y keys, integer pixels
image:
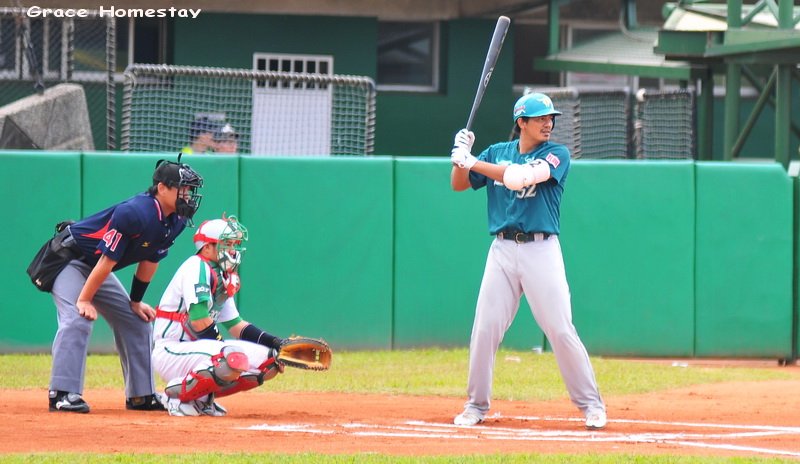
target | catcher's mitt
[{"x": 306, "y": 353}]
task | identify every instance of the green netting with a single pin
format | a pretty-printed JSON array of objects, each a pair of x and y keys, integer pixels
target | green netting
[
  {"x": 273, "y": 113},
  {"x": 666, "y": 125},
  {"x": 611, "y": 124}
]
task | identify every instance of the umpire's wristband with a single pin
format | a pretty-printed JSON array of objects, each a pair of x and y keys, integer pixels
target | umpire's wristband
[{"x": 138, "y": 288}]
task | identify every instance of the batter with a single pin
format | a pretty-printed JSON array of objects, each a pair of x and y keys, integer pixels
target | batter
[{"x": 524, "y": 180}]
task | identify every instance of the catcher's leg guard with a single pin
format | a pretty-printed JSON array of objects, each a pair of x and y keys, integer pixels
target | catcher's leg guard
[
  {"x": 230, "y": 363},
  {"x": 247, "y": 381},
  {"x": 226, "y": 368}
]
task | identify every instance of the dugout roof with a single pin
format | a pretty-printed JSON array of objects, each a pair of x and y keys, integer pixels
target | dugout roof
[
  {"x": 700, "y": 32},
  {"x": 693, "y": 37},
  {"x": 628, "y": 52}
]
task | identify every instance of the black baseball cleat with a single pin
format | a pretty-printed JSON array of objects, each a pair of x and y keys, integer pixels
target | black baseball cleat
[
  {"x": 144, "y": 403},
  {"x": 67, "y": 402}
]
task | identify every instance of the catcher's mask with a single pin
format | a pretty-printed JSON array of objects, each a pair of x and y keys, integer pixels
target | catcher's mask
[
  {"x": 229, "y": 235},
  {"x": 184, "y": 178}
]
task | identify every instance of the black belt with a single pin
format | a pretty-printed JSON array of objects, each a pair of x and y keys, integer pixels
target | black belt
[{"x": 523, "y": 237}]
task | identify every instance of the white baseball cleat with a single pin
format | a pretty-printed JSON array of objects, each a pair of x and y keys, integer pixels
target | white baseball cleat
[
  {"x": 596, "y": 420},
  {"x": 468, "y": 418},
  {"x": 176, "y": 408},
  {"x": 209, "y": 407}
]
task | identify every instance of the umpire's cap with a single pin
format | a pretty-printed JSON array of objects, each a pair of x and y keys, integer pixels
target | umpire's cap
[
  {"x": 226, "y": 132},
  {"x": 202, "y": 125}
]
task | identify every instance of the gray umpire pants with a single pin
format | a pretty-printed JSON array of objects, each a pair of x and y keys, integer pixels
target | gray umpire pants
[
  {"x": 537, "y": 270},
  {"x": 133, "y": 336}
]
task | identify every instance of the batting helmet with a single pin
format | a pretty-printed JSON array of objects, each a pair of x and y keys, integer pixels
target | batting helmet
[{"x": 534, "y": 105}]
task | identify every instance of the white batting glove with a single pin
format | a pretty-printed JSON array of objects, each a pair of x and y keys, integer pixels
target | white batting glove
[
  {"x": 462, "y": 158},
  {"x": 464, "y": 139}
]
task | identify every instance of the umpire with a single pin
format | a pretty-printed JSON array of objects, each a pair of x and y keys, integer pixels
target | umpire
[{"x": 138, "y": 230}]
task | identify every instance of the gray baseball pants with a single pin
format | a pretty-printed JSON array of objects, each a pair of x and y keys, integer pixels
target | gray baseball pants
[
  {"x": 133, "y": 336},
  {"x": 537, "y": 269}
]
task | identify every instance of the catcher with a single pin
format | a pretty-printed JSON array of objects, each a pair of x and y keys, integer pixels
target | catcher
[{"x": 191, "y": 355}]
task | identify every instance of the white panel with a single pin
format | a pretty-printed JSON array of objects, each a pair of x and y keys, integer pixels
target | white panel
[{"x": 291, "y": 119}]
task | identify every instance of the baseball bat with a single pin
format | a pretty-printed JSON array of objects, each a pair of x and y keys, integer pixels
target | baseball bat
[{"x": 496, "y": 44}]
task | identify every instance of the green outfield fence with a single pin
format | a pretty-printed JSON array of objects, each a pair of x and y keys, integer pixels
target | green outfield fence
[{"x": 664, "y": 258}]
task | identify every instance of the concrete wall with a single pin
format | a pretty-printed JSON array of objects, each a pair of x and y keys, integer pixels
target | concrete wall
[{"x": 56, "y": 119}]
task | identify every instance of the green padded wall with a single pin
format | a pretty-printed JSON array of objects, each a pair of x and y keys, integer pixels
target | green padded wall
[
  {"x": 40, "y": 191},
  {"x": 744, "y": 260},
  {"x": 796, "y": 255},
  {"x": 109, "y": 178},
  {"x": 628, "y": 243},
  {"x": 319, "y": 259},
  {"x": 441, "y": 242},
  {"x": 664, "y": 258}
]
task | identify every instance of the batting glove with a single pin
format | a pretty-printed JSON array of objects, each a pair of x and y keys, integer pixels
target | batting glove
[
  {"x": 464, "y": 139},
  {"x": 462, "y": 158}
]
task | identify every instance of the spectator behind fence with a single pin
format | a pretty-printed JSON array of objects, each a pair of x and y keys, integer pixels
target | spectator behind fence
[
  {"x": 201, "y": 136},
  {"x": 226, "y": 139}
]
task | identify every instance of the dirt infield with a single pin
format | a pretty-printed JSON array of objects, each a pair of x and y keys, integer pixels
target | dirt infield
[{"x": 731, "y": 419}]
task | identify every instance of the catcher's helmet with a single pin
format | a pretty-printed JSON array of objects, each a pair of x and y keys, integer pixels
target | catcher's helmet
[
  {"x": 230, "y": 236},
  {"x": 534, "y": 105},
  {"x": 179, "y": 175}
]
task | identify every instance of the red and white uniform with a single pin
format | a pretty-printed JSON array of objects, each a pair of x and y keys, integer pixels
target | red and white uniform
[{"x": 176, "y": 353}]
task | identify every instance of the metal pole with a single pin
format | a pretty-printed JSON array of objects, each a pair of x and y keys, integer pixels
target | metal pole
[
  {"x": 783, "y": 113},
  {"x": 766, "y": 92},
  {"x": 554, "y": 44},
  {"x": 733, "y": 83},
  {"x": 734, "y": 14},
  {"x": 629, "y": 7},
  {"x": 751, "y": 77},
  {"x": 705, "y": 119},
  {"x": 111, "y": 89},
  {"x": 783, "y": 91},
  {"x": 785, "y": 14}
]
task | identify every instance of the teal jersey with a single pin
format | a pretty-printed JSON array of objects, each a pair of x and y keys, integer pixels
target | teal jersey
[{"x": 533, "y": 209}]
